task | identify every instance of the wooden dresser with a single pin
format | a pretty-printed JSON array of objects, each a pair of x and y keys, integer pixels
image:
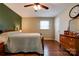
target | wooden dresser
[
  {"x": 1, "y": 49},
  {"x": 70, "y": 41}
]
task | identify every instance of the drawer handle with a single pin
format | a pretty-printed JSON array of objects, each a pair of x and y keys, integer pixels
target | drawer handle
[
  {"x": 71, "y": 39},
  {"x": 70, "y": 43}
]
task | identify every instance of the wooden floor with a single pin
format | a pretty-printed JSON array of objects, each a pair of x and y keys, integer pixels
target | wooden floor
[{"x": 51, "y": 48}]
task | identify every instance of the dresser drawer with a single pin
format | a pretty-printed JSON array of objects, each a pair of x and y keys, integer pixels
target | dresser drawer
[
  {"x": 63, "y": 39},
  {"x": 71, "y": 45},
  {"x": 72, "y": 40}
]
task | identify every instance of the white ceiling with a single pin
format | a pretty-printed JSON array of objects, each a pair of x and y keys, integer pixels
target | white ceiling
[{"x": 54, "y": 9}]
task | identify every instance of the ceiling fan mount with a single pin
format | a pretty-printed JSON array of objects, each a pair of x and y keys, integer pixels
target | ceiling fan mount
[{"x": 36, "y": 4}]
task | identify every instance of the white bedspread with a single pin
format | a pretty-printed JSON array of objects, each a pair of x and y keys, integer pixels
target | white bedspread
[{"x": 25, "y": 42}]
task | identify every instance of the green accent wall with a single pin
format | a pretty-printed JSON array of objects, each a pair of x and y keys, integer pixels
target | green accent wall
[{"x": 8, "y": 18}]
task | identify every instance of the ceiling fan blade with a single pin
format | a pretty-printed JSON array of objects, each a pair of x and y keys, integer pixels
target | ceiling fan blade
[
  {"x": 44, "y": 6},
  {"x": 28, "y": 5}
]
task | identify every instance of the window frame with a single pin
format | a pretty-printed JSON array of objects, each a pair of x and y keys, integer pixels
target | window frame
[{"x": 48, "y": 25}]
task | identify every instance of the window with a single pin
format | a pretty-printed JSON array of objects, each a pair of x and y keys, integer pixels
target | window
[{"x": 44, "y": 24}]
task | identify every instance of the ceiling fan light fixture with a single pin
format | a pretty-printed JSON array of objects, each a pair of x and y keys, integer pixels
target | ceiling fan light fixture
[{"x": 37, "y": 7}]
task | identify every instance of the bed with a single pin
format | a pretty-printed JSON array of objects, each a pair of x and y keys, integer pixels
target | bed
[{"x": 23, "y": 42}]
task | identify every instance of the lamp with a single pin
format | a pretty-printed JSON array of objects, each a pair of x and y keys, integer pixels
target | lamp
[{"x": 20, "y": 30}]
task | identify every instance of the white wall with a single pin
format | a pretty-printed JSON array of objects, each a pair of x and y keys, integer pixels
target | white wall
[
  {"x": 62, "y": 19},
  {"x": 32, "y": 24},
  {"x": 57, "y": 28}
]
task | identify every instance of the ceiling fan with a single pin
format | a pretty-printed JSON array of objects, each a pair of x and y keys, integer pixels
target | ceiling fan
[{"x": 37, "y": 6}]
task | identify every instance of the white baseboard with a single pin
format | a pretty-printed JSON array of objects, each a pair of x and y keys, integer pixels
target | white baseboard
[
  {"x": 57, "y": 40},
  {"x": 48, "y": 39}
]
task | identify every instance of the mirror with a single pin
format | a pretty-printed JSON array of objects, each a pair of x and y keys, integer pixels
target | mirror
[{"x": 74, "y": 25}]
